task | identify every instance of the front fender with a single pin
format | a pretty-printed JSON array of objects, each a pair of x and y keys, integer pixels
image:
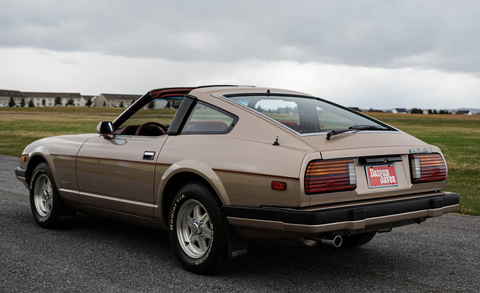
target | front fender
[{"x": 60, "y": 153}]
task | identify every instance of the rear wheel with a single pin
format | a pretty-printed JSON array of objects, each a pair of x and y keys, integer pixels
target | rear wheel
[
  {"x": 197, "y": 230},
  {"x": 357, "y": 240},
  {"x": 47, "y": 208}
]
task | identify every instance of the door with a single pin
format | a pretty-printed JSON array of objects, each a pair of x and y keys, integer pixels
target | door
[{"x": 118, "y": 174}]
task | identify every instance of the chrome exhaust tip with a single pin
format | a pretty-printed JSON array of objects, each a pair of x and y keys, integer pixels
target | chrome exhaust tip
[
  {"x": 309, "y": 242},
  {"x": 333, "y": 241}
]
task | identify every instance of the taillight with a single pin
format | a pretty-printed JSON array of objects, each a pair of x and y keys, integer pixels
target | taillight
[
  {"x": 427, "y": 167},
  {"x": 330, "y": 176}
]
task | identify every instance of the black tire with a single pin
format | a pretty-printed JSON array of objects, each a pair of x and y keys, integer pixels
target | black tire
[
  {"x": 48, "y": 209},
  {"x": 357, "y": 240},
  {"x": 196, "y": 227}
]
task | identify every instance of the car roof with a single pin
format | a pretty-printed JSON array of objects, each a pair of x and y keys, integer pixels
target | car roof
[{"x": 239, "y": 89}]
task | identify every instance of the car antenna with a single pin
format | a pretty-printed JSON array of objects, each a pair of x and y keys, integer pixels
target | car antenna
[{"x": 276, "y": 141}]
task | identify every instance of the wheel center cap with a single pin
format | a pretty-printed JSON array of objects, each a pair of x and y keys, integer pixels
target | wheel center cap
[{"x": 197, "y": 228}]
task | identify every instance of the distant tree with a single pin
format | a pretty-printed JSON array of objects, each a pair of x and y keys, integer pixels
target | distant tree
[
  {"x": 31, "y": 104},
  {"x": 70, "y": 102},
  {"x": 416, "y": 111},
  {"x": 169, "y": 105},
  {"x": 58, "y": 101},
  {"x": 22, "y": 102},
  {"x": 430, "y": 111},
  {"x": 104, "y": 104},
  {"x": 11, "y": 103},
  {"x": 121, "y": 104},
  {"x": 43, "y": 102},
  {"x": 151, "y": 105},
  {"x": 89, "y": 102},
  {"x": 435, "y": 111},
  {"x": 133, "y": 101}
]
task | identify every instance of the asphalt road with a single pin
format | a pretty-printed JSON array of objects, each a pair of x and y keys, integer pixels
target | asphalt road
[{"x": 99, "y": 255}]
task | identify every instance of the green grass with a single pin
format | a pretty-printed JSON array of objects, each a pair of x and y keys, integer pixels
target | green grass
[
  {"x": 457, "y": 135},
  {"x": 21, "y": 126},
  {"x": 459, "y": 141}
]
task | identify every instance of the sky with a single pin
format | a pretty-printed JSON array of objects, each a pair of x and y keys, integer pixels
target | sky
[{"x": 360, "y": 53}]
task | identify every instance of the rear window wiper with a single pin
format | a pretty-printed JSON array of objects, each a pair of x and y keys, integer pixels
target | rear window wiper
[
  {"x": 354, "y": 129},
  {"x": 367, "y": 127}
]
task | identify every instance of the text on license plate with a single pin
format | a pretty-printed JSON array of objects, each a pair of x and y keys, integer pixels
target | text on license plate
[{"x": 381, "y": 176}]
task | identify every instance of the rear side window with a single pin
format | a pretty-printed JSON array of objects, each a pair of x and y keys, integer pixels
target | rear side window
[{"x": 207, "y": 119}]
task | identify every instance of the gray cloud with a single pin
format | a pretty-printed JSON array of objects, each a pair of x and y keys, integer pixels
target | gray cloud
[{"x": 441, "y": 35}]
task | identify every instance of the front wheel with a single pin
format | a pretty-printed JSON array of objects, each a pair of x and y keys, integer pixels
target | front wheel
[
  {"x": 197, "y": 230},
  {"x": 45, "y": 203}
]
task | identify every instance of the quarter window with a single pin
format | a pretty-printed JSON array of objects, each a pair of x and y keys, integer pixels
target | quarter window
[{"x": 207, "y": 119}]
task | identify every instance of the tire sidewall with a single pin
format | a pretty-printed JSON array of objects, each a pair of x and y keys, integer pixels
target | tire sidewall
[
  {"x": 208, "y": 261},
  {"x": 50, "y": 219}
]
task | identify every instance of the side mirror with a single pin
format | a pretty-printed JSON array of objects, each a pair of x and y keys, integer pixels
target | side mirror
[{"x": 105, "y": 128}]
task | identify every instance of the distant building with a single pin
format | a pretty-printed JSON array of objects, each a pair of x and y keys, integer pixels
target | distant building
[
  {"x": 115, "y": 100},
  {"x": 399, "y": 111},
  {"x": 463, "y": 112},
  {"x": 375, "y": 110},
  {"x": 46, "y": 99},
  {"x": 88, "y": 97},
  {"x": 17, "y": 96}
]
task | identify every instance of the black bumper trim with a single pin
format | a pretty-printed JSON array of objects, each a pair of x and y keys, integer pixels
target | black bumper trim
[
  {"x": 342, "y": 214},
  {"x": 20, "y": 172}
]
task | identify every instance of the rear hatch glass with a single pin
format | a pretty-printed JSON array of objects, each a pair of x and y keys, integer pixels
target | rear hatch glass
[{"x": 306, "y": 115}]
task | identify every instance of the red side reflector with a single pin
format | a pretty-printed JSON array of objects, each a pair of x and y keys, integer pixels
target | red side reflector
[{"x": 277, "y": 185}]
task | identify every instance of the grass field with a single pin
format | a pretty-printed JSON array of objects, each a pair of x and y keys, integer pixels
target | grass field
[{"x": 457, "y": 135}]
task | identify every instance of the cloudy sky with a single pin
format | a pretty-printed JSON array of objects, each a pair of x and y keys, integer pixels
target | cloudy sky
[{"x": 362, "y": 53}]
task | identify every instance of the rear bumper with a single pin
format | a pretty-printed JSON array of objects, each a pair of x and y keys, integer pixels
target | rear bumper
[{"x": 370, "y": 216}]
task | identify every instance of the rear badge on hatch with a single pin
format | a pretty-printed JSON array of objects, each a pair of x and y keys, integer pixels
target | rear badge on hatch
[
  {"x": 419, "y": 150},
  {"x": 381, "y": 176}
]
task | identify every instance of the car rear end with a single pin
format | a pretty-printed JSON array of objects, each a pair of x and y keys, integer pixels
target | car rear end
[{"x": 367, "y": 176}]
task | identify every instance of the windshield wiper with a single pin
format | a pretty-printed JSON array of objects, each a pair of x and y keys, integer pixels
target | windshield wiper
[
  {"x": 354, "y": 129},
  {"x": 367, "y": 127}
]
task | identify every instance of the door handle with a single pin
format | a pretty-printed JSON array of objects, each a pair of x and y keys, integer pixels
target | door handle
[{"x": 148, "y": 155}]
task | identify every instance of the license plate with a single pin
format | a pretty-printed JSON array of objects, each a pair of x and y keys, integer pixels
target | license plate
[{"x": 381, "y": 176}]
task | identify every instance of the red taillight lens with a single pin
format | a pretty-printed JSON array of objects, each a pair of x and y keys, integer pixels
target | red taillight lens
[
  {"x": 427, "y": 167},
  {"x": 328, "y": 176}
]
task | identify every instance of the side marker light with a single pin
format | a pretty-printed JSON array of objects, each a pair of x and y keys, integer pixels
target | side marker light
[{"x": 277, "y": 185}]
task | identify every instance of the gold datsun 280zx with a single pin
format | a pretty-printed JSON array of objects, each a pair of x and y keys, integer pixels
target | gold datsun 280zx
[{"x": 239, "y": 163}]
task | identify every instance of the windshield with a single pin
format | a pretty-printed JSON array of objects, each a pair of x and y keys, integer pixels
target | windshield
[{"x": 308, "y": 115}]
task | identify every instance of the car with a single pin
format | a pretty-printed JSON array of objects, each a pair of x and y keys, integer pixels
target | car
[{"x": 236, "y": 163}]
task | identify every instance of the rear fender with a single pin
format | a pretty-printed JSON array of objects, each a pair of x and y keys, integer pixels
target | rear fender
[{"x": 196, "y": 167}]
